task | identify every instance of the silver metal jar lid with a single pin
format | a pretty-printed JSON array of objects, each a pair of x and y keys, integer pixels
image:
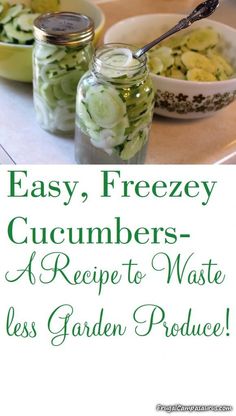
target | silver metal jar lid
[{"x": 64, "y": 28}]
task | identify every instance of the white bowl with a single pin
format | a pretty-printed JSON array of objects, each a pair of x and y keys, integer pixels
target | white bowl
[{"x": 177, "y": 98}]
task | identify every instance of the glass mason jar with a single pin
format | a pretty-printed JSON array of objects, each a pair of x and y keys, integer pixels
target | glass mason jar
[
  {"x": 62, "y": 54},
  {"x": 114, "y": 109}
]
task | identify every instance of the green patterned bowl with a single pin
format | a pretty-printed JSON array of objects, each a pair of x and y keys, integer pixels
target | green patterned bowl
[{"x": 177, "y": 98}]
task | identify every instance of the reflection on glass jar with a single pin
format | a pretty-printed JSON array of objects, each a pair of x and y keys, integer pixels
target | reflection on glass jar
[
  {"x": 114, "y": 108},
  {"x": 62, "y": 54}
]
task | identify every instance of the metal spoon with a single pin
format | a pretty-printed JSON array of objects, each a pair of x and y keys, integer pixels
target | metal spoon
[{"x": 202, "y": 11}]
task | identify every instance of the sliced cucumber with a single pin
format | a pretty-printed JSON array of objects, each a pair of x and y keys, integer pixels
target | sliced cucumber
[
  {"x": 156, "y": 65},
  {"x": 4, "y": 38},
  {"x": 178, "y": 64},
  {"x": 58, "y": 92},
  {"x": 70, "y": 61},
  {"x": 105, "y": 106},
  {"x": 198, "y": 74},
  {"x": 45, "y": 51},
  {"x": 201, "y": 39},
  {"x": 47, "y": 93},
  {"x": 120, "y": 63},
  {"x": 1, "y": 9},
  {"x": 25, "y": 21},
  {"x": 108, "y": 139},
  {"x": 42, "y": 112},
  {"x": 165, "y": 55},
  {"x": 134, "y": 145},
  {"x": 64, "y": 119},
  {"x": 176, "y": 74},
  {"x": 70, "y": 82},
  {"x": 12, "y": 12},
  {"x": 16, "y": 24},
  {"x": 21, "y": 37},
  {"x": 175, "y": 42},
  {"x": 222, "y": 65},
  {"x": 51, "y": 73},
  {"x": 121, "y": 57},
  {"x": 56, "y": 57},
  {"x": 221, "y": 76},
  {"x": 197, "y": 49},
  {"x": 196, "y": 60},
  {"x": 85, "y": 117}
]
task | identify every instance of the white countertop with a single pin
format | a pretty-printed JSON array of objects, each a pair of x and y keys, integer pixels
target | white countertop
[{"x": 20, "y": 134}]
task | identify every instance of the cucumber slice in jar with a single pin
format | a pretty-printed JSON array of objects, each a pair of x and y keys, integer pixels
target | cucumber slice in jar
[
  {"x": 47, "y": 93},
  {"x": 56, "y": 57},
  {"x": 85, "y": 117},
  {"x": 70, "y": 82},
  {"x": 42, "y": 112},
  {"x": 121, "y": 57},
  {"x": 105, "y": 106},
  {"x": 64, "y": 119},
  {"x": 52, "y": 73},
  {"x": 58, "y": 92},
  {"x": 120, "y": 63},
  {"x": 70, "y": 61},
  {"x": 108, "y": 139},
  {"x": 134, "y": 145},
  {"x": 45, "y": 51}
]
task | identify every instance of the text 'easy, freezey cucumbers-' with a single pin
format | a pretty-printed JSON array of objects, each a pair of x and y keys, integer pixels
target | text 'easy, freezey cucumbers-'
[
  {"x": 194, "y": 56},
  {"x": 114, "y": 107},
  {"x": 16, "y": 23}
]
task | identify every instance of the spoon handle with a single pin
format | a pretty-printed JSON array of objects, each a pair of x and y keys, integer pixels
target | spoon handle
[
  {"x": 182, "y": 24},
  {"x": 203, "y": 10}
]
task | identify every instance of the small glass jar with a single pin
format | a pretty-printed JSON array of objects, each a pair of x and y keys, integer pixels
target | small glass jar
[
  {"x": 114, "y": 109},
  {"x": 62, "y": 54}
]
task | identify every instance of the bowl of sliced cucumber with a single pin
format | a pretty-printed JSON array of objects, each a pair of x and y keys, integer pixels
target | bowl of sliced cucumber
[
  {"x": 193, "y": 72},
  {"x": 16, "y": 31}
]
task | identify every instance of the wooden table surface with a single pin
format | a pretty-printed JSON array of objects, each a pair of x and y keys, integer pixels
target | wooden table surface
[{"x": 179, "y": 141}]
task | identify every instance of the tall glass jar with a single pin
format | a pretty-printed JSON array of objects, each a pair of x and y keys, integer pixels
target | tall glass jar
[
  {"x": 62, "y": 54},
  {"x": 114, "y": 109}
]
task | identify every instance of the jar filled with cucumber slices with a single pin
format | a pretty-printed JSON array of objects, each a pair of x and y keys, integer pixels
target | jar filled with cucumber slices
[
  {"x": 62, "y": 54},
  {"x": 114, "y": 109}
]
